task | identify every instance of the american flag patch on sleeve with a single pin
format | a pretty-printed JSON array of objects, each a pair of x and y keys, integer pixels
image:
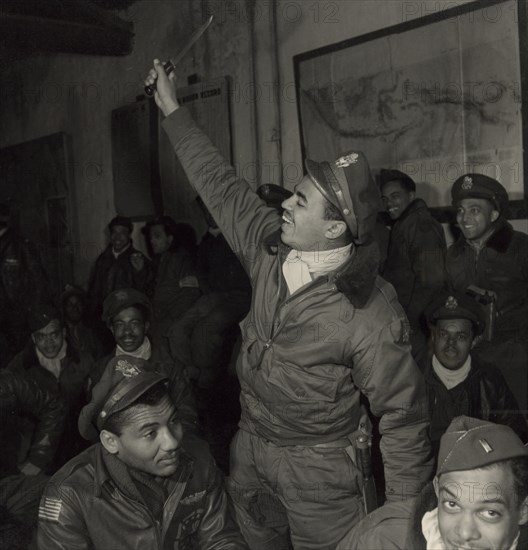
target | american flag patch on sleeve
[{"x": 49, "y": 509}]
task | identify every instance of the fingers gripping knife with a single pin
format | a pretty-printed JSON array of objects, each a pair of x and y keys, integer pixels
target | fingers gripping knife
[{"x": 169, "y": 65}]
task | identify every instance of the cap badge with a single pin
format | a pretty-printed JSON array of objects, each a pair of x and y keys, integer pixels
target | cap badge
[
  {"x": 486, "y": 446},
  {"x": 128, "y": 370},
  {"x": 121, "y": 295},
  {"x": 347, "y": 160},
  {"x": 451, "y": 303},
  {"x": 467, "y": 184}
]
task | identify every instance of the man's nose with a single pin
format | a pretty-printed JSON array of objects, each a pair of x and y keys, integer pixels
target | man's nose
[
  {"x": 467, "y": 529},
  {"x": 171, "y": 438},
  {"x": 287, "y": 203}
]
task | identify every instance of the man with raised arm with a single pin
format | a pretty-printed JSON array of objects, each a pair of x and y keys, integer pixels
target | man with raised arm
[{"x": 322, "y": 328}]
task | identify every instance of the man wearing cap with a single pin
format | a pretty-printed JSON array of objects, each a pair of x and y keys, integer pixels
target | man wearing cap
[
  {"x": 127, "y": 313},
  {"x": 490, "y": 260},
  {"x": 478, "y": 499},
  {"x": 415, "y": 263},
  {"x": 120, "y": 265},
  {"x": 458, "y": 383},
  {"x": 322, "y": 327},
  {"x": 49, "y": 361},
  {"x": 144, "y": 485}
]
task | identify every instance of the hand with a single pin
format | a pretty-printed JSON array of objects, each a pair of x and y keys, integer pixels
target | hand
[
  {"x": 29, "y": 469},
  {"x": 138, "y": 261},
  {"x": 165, "y": 94}
]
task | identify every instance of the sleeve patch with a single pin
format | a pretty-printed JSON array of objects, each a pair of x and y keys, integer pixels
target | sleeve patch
[
  {"x": 189, "y": 282},
  {"x": 50, "y": 509}
]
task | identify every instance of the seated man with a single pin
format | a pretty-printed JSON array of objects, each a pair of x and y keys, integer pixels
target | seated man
[
  {"x": 21, "y": 477},
  {"x": 478, "y": 499},
  {"x": 144, "y": 485},
  {"x": 457, "y": 383},
  {"x": 493, "y": 259},
  {"x": 127, "y": 313},
  {"x": 49, "y": 361},
  {"x": 415, "y": 263}
]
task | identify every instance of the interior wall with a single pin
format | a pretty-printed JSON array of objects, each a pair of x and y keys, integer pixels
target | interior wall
[{"x": 252, "y": 41}]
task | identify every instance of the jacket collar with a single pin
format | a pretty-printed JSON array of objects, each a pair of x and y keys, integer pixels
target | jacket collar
[
  {"x": 499, "y": 241},
  {"x": 102, "y": 476},
  {"x": 424, "y": 502},
  {"x": 412, "y": 207},
  {"x": 355, "y": 279}
]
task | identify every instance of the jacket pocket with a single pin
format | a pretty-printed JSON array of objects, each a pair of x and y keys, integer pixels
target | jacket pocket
[{"x": 302, "y": 384}]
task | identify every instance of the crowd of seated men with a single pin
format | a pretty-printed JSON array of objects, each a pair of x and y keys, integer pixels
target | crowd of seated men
[{"x": 96, "y": 387}]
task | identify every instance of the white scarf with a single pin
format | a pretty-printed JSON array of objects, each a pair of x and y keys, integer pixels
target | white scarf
[
  {"x": 451, "y": 378},
  {"x": 54, "y": 364},
  {"x": 143, "y": 352},
  {"x": 301, "y": 267},
  {"x": 432, "y": 535}
]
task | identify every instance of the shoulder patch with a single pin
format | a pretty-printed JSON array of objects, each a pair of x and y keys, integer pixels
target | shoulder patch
[
  {"x": 50, "y": 509},
  {"x": 189, "y": 282}
]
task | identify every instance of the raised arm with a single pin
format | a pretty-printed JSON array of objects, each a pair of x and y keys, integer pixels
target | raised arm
[{"x": 242, "y": 216}]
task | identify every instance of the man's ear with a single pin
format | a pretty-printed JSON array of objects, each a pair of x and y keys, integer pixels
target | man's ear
[
  {"x": 494, "y": 215},
  {"x": 412, "y": 195},
  {"x": 335, "y": 229},
  {"x": 435, "y": 485},
  {"x": 109, "y": 441},
  {"x": 523, "y": 518}
]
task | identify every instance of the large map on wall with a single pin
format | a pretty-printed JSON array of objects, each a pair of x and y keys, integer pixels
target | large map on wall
[{"x": 436, "y": 101}]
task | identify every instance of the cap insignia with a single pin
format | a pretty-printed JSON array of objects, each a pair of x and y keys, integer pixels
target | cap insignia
[
  {"x": 347, "y": 160},
  {"x": 486, "y": 446},
  {"x": 451, "y": 303},
  {"x": 467, "y": 183},
  {"x": 127, "y": 369},
  {"x": 121, "y": 295}
]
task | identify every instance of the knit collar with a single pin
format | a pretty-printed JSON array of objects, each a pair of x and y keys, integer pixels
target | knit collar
[
  {"x": 451, "y": 378},
  {"x": 301, "y": 267}
]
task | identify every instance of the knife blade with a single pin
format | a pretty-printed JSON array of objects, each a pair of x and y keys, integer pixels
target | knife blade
[{"x": 170, "y": 64}]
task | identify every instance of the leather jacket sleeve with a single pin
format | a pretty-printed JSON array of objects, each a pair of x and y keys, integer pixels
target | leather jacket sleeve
[
  {"x": 66, "y": 529},
  {"x": 48, "y": 411},
  {"x": 218, "y": 530}
]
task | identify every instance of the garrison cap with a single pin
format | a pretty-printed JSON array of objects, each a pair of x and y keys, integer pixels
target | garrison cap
[
  {"x": 124, "y": 381},
  {"x": 396, "y": 175},
  {"x": 120, "y": 299},
  {"x": 481, "y": 187},
  {"x": 471, "y": 443},
  {"x": 122, "y": 221},
  {"x": 348, "y": 184},
  {"x": 455, "y": 305},
  {"x": 41, "y": 316}
]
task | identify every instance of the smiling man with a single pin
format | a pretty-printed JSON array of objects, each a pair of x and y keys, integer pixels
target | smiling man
[
  {"x": 458, "y": 383},
  {"x": 322, "y": 328},
  {"x": 492, "y": 257},
  {"x": 415, "y": 263},
  {"x": 477, "y": 501},
  {"x": 144, "y": 485}
]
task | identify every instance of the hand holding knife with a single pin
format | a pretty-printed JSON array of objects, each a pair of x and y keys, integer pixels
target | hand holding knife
[{"x": 169, "y": 65}]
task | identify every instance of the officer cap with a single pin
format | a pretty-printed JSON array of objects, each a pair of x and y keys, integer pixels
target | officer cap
[
  {"x": 124, "y": 381},
  {"x": 41, "y": 316},
  {"x": 480, "y": 187},
  {"x": 470, "y": 443},
  {"x": 122, "y": 221},
  {"x": 348, "y": 184},
  {"x": 455, "y": 305},
  {"x": 121, "y": 299}
]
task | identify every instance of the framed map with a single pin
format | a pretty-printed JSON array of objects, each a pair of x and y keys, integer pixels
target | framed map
[{"x": 435, "y": 97}]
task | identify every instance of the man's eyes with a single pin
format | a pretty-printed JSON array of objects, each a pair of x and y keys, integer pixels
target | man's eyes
[
  {"x": 491, "y": 515},
  {"x": 450, "y": 505}
]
